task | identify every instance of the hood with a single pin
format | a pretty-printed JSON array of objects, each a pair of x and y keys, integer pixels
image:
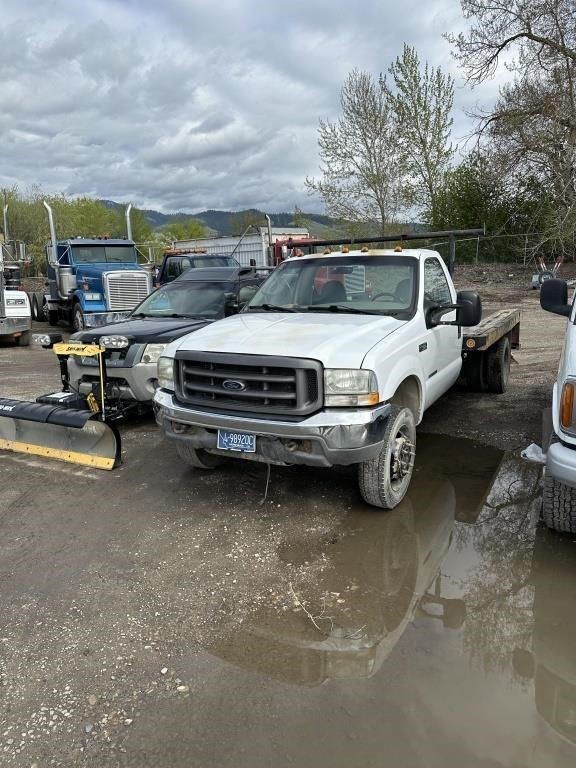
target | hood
[
  {"x": 336, "y": 340},
  {"x": 96, "y": 269},
  {"x": 149, "y": 330}
]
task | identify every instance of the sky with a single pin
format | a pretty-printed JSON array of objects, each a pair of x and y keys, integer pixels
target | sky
[{"x": 188, "y": 105}]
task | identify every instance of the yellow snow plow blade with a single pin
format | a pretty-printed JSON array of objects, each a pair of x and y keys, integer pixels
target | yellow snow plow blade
[{"x": 52, "y": 431}]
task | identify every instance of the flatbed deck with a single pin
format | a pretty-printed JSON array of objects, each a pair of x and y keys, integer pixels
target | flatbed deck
[{"x": 490, "y": 329}]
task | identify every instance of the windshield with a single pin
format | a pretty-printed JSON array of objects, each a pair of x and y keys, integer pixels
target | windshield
[
  {"x": 97, "y": 254},
  {"x": 364, "y": 284},
  {"x": 186, "y": 299}
]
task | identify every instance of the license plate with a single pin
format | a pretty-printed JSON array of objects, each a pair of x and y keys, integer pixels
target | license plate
[{"x": 243, "y": 442}]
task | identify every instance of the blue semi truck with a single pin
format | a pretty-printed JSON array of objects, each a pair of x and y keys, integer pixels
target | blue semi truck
[{"x": 91, "y": 281}]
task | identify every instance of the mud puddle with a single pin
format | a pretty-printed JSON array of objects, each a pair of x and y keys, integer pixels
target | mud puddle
[
  {"x": 434, "y": 635},
  {"x": 205, "y": 627}
]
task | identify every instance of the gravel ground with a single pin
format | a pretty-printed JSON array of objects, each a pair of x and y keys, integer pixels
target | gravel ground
[{"x": 113, "y": 583}]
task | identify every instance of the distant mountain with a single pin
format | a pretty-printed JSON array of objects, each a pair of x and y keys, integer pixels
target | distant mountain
[{"x": 225, "y": 222}]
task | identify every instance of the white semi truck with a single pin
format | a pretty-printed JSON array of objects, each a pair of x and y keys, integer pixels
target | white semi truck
[{"x": 15, "y": 311}]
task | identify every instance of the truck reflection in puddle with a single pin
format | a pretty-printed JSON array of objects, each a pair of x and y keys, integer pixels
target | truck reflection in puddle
[
  {"x": 378, "y": 571},
  {"x": 551, "y": 660}
]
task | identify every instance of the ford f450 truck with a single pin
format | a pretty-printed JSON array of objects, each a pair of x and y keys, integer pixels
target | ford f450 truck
[{"x": 333, "y": 362}]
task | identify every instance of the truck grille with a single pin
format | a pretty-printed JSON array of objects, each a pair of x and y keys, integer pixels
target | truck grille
[
  {"x": 124, "y": 290},
  {"x": 255, "y": 384}
]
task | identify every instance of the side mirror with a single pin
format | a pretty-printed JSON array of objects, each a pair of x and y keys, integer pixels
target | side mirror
[
  {"x": 230, "y": 304},
  {"x": 469, "y": 308},
  {"x": 554, "y": 297},
  {"x": 468, "y": 311}
]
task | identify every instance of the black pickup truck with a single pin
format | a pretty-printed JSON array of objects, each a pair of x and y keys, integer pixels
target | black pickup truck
[
  {"x": 191, "y": 301},
  {"x": 176, "y": 262}
]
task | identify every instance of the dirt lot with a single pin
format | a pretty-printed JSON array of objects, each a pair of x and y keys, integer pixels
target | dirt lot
[{"x": 156, "y": 616}]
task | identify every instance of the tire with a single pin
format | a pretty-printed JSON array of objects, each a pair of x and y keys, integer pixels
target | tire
[
  {"x": 197, "y": 457},
  {"x": 37, "y": 300},
  {"x": 498, "y": 366},
  {"x": 559, "y": 505},
  {"x": 34, "y": 307},
  {"x": 78, "y": 318},
  {"x": 384, "y": 480},
  {"x": 24, "y": 339}
]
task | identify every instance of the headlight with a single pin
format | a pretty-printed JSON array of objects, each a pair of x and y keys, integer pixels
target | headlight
[
  {"x": 350, "y": 386},
  {"x": 567, "y": 401},
  {"x": 93, "y": 296},
  {"x": 114, "y": 342},
  {"x": 15, "y": 302},
  {"x": 152, "y": 352},
  {"x": 166, "y": 373}
]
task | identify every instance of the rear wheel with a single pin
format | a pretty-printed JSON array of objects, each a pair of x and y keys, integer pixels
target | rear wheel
[
  {"x": 36, "y": 301},
  {"x": 384, "y": 479},
  {"x": 197, "y": 457},
  {"x": 498, "y": 360}
]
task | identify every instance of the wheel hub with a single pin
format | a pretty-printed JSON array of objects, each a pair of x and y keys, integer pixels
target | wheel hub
[{"x": 402, "y": 458}]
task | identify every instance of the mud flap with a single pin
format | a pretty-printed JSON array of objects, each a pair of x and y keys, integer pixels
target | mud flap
[{"x": 54, "y": 431}]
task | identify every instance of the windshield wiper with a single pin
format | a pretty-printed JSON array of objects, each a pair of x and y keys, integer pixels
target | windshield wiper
[
  {"x": 185, "y": 316},
  {"x": 172, "y": 315},
  {"x": 343, "y": 308},
  {"x": 272, "y": 308}
]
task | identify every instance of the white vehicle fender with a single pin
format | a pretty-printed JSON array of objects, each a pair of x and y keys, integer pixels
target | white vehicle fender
[{"x": 392, "y": 373}]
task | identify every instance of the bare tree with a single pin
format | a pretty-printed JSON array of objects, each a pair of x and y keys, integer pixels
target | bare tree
[
  {"x": 532, "y": 126},
  {"x": 422, "y": 101},
  {"x": 363, "y": 178}
]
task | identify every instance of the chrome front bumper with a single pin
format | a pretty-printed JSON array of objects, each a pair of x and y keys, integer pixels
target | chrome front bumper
[
  {"x": 12, "y": 325},
  {"x": 325, "y": 439}
]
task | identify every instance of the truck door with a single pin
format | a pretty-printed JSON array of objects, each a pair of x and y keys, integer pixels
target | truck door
[{"x": 443, "y": 352}]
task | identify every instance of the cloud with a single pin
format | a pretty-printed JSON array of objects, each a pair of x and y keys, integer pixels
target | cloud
[{"x": 186, "y": 106}]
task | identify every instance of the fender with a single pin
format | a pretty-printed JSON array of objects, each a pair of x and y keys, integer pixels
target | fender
[{"x": 390, "y": 379}]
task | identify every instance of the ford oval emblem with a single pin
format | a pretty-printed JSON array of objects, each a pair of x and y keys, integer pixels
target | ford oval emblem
[{"x": 234, "y": 385}]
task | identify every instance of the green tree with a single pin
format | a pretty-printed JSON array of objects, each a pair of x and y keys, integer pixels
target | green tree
[
  {"x": 240, "y": 222},
  {"x": 532, "y": 126},
  {"x": 362, "y": 179},
  {"x": 422, "y": 101}
]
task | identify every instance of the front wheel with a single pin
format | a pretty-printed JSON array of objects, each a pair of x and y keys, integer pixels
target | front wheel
[
  {"x": 559, "y": 505},
  {"x": 197, "y": 457},
  {"x": 78, "y": 318},
  {"x": 384, "y": 479}
]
